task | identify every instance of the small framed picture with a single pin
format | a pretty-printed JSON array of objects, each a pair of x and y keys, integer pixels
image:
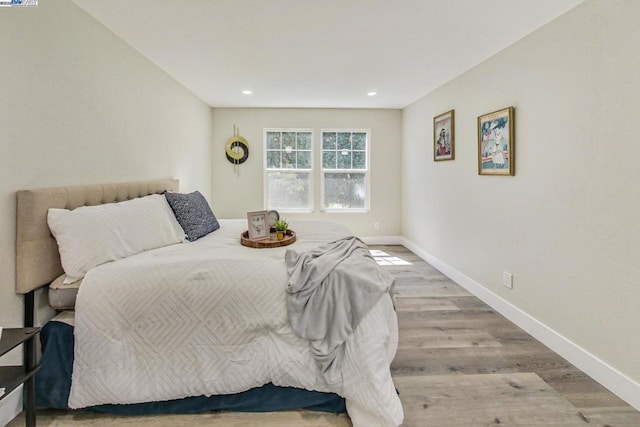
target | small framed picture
[
  {"x": 258, "y": 225},
  {"x": 496, "y": 154},
  {"x": 444, "y": 136}
]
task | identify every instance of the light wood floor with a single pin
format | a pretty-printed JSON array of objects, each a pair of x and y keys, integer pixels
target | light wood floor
[{"x": 459, "y": 364}]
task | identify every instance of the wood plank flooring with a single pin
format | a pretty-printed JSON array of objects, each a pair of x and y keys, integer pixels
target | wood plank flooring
[{"x": 459, "y": 364}]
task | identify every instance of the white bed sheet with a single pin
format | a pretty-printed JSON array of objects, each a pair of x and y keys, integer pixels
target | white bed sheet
[{"x": 209, "y": 317}]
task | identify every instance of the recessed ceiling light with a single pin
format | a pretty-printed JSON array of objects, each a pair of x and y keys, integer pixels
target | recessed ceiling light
[
  {"x": 247, "y": 92},
  {"x": 372, "y": 93}
]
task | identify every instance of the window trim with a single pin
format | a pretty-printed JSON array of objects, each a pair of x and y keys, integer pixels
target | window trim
[
  {"x": 367, "y": 172},
  {"x": 265, "y": 170}
]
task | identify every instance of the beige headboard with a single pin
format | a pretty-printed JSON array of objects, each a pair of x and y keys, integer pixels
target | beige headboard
[{"x": 37, "y": 257}]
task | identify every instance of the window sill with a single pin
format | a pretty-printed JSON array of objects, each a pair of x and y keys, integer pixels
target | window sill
[
  {"x": 339, "y": 211},
  {"x": 293, "y": 211}
]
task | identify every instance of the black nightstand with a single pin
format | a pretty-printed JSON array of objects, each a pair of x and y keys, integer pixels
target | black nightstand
[{"x": 12, "y": 376}]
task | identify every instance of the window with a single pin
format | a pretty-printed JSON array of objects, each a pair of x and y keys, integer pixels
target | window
[
  {"x": 345, "y": 163},
  {"x": 288, "y": 169}
]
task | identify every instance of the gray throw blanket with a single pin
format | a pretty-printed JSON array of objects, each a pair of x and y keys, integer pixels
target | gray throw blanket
[{"x": 331, "y": 288}]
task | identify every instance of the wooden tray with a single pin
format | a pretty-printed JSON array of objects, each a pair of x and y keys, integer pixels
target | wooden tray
[{"x": 271, "y": 242}]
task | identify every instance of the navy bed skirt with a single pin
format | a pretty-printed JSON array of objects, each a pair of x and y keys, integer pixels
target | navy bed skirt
[{"x": 53, "y": 383}]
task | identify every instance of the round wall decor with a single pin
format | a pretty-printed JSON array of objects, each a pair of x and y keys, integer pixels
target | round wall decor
[{"x": 237, "y": 150}]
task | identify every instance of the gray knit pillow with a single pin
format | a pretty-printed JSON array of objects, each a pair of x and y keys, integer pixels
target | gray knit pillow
[{"x": 193, "y": 214}]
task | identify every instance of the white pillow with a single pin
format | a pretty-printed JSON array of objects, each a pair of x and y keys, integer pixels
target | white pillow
[{"x": 92, "y": 235}]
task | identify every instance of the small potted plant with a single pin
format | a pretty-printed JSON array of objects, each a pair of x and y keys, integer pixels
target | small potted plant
[{"x": 281, "y": 228}]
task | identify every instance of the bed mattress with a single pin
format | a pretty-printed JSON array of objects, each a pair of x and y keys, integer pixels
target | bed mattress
[
  {"x": 210, "y": 318},
  {"x": 53, "y": 382},
  {"x": 62, "y": 296}
]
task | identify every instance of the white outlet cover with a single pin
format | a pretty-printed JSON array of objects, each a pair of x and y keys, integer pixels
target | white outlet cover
[{"x": 507, "y": 279}]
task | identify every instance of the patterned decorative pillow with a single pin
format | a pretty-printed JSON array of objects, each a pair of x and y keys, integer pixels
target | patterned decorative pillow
[{"x": 193, "y": 214}]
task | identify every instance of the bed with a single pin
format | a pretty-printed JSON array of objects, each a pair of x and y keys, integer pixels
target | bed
[{"x": 199, "y": 325}]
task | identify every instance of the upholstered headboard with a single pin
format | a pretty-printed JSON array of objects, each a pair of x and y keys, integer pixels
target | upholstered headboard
[{"x": 37, "y": 257}]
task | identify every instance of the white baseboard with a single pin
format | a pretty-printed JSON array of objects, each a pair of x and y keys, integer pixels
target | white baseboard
[
  {"x": 11, "y": 406},
  {"x": 382, "y": 240},
  {"x": 614, "y": 380}
]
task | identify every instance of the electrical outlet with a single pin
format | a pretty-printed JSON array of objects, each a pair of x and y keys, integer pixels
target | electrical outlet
[
  {"x": 376, "y": 225},
  {"x": 507, "y": 279}
]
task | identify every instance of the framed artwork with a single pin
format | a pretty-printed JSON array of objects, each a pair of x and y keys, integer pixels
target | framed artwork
[
  {"x": 258, "y": 225},
  {"x": 444, "y": 136},
  {"x": 496, "y": 143}
]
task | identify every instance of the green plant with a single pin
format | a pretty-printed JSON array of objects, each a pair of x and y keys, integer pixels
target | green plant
[{"x": 282, "y": 225}]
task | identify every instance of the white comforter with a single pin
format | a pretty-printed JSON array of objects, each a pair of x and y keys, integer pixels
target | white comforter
[{"x": 210, "y": 317}]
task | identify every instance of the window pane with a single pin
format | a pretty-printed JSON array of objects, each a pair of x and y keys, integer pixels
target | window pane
[
  {"x": 288, "y": 140},
  {"x": 328, "y": 140},
  {"x": 344, "y": 159},
  {"x": 289, "y": 159},
  {"x": 359, "y": 141},
  {"x": 273, "y": 140},
  {"x": 273, "y": 159},
  {"x": 289, "y": 190},
  {"x": 304, "y": 159},
  {"x": 329, "y": 159},
  {"x": 359, "y": 160},
  {"x": 304, "y": 141},
  {"x": 344, "y": 141},
  {"x": 344, "y": 190}
]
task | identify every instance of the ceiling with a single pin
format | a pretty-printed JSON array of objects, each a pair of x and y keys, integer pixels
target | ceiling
[{"x": 320, "y": 53}]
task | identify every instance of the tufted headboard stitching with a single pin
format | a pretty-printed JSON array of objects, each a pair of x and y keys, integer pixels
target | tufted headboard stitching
[{"x": 37, "y": 257}]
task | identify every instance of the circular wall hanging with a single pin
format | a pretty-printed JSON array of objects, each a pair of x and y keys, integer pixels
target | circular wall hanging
[{"x": 237, "y": 150}]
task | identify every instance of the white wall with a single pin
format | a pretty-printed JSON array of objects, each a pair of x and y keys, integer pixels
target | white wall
[
  {"x": 567, "y": 225},
  {"x": 233, "y": 196},
  {"x": 79, "y": 106}
]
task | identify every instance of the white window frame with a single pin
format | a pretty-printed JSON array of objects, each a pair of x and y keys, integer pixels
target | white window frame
[
  {"x": 366, "y": 171},
  {"x": 266, "y": 170}
]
